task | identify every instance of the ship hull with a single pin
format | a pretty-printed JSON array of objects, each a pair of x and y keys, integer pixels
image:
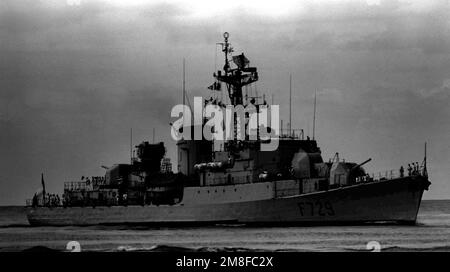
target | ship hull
[{"x": 389, "y": 201}]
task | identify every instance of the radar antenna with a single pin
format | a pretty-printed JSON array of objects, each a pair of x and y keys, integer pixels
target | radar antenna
[{"x": 235, "y": 78}]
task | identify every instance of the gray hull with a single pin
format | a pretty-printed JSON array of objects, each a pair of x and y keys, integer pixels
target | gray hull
[{"x": 396, "y": 200}]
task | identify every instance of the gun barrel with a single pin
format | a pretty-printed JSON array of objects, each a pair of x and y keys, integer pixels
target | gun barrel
[{"x": 361, "y": 164}]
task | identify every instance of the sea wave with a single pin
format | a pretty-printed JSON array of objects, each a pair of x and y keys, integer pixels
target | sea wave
[
  {"x": 418, "y": 249},
  {"x": 168, "y": 248},
  {"x": 15, "y": 225}
]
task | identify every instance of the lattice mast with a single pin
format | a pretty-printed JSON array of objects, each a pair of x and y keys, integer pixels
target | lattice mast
[{"x": 235, "y": 78}]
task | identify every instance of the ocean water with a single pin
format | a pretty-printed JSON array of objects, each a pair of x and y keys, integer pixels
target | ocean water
[{"x": 432, "y": 233}]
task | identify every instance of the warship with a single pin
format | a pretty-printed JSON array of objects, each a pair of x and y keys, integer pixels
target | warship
[{"x": 237, "y": 183}]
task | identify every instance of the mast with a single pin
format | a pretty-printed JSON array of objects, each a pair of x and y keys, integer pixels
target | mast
[
  {"x": 314, "y": 116},
  {"x": 184, "y": 87},
  {"x": 235, "y": 78},
  {"x": 131, "y": 145},
  {"x": 425, "y": 172},
  {"x": 43, "y": 188},
  {"x": 184, "y": 82},
  {"x": 153, "y": 135},
  {"x": 290, "y": 104}
]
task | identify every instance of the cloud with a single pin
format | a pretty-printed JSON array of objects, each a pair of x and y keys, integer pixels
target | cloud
[
  {"x": 331, "y": 94},
  {"x": 440, "y": 92},
  {"x": 76, "y": 78}
]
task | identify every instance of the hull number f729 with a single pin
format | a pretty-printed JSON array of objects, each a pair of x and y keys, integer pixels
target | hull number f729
[{"x": 315, "y": 208}]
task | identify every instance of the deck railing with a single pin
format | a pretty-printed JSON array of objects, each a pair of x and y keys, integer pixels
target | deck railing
[{"x": 396, "y": 173}]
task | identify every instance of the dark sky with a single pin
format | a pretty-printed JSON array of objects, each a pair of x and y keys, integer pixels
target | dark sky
[{"x": 75, "y": 78}]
